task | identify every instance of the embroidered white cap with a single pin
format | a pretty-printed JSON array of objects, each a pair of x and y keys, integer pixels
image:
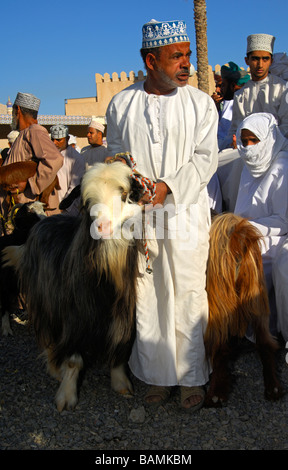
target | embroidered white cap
[
  {"x": 97, "y": 124},
  {"x": 260, "y": 42},
  {"x": 26, "y": 100},
  {"x": 162, "y": 33},
  {"x": 59, "y": 131}
]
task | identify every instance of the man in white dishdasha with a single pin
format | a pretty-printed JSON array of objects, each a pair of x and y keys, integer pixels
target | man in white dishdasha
[
  {"x": 265, "y": 92},
  {"x": 170, "y": 129}
]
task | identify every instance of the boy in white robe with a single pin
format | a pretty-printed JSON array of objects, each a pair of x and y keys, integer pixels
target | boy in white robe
[
  {"x": 263, "y": 189},
  {"x": 265, "y": 92},
  {"x": 170, "y": 128}
]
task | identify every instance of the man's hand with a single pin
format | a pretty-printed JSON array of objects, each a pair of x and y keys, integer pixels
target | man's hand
[
  {"x": 161, "y": 191},
  {"x": 161, "y": 188}
]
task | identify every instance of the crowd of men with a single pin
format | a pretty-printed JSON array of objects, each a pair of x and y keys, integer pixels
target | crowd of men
[{"x": 183, "y": 140}]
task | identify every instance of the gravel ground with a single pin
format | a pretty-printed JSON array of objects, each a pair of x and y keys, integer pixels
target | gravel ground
[{"x": 103, "y": 421}]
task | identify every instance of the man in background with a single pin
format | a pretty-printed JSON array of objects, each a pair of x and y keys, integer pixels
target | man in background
[
  {"x": 233, "y": 78},
  {"x": 12, "y": 136},
  {"x": 33, "y": 143},
  {"x": 96, "y": 151},
  {"x": 70, "y": 174},
  {"x": 265, "y": 92}
]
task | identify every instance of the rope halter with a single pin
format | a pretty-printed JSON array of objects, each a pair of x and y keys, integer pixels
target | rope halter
[{"x": 149, "y": 189}]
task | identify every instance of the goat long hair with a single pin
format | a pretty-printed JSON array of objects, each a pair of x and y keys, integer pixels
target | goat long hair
[
  {"x": 237, "y": 298},
  {"x": 78, "y": 278},
  {"x": 235, "y": 280},
  {"x": 81, "y": 291},
  {"x": 23, "y": 218}
]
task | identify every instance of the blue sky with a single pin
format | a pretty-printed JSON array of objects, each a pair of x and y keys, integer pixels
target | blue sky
[{"x": 53, "y": 49}]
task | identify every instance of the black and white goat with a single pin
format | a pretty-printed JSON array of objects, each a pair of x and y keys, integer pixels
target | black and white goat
[
  {"x": 23, "y": 217},
  {"x": 78, "y": 276}
]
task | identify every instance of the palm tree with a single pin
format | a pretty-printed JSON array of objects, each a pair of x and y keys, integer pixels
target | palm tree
[{"x": 200, "y": 21}]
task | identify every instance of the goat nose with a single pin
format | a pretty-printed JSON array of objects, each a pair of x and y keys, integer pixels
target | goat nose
[{"x": 104, "y": 228}]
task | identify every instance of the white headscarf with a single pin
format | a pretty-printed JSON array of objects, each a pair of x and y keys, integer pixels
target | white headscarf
[{"x": 259, "y": 157}]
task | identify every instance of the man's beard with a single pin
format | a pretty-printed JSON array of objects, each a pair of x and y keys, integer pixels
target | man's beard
[
  {"x": 169, "y": 81},
  {"x": 14, "y": 123}
]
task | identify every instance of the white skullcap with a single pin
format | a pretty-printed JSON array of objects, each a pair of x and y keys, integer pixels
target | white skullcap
[
  {"x": 162, "y": 33},
  {"x": 96, "y": 123},
  {"x": 72, "y": 139},
  {"x": 260, "y": 42},
  {"x": 26, "y": 100},
  {"x": 12, "y": 136},
  {"x": 59, "y": 131}
]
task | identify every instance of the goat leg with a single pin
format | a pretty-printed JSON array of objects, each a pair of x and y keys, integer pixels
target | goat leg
[
  {"x": 273, "y": 387},
  {"x": 219, "y": 385},
  {"x": 66, "y": 396},
  {"x": 120, "y": 382},
  {"x": 266, "y": 347}
]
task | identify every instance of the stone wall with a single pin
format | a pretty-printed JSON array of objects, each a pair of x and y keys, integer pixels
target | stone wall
[{"x": 107, "y": 86}]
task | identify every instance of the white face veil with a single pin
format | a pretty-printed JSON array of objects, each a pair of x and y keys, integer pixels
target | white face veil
[{"x": 258, "y": 158}]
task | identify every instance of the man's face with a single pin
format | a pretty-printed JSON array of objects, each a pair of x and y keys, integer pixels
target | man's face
[
  {"x": 259, "y": 63},
  {"x": 173, "y": 66},
  {"x": 61, "y": 144},
  {"x": 248, "y": 138},
  {"x": 93, "y": 136},
  {"x": 227, "y": 89}
]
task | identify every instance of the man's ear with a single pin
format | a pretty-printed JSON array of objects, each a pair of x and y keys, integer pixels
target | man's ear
[
  {"x": 150, "y": 61},
  {"x": 247, "y": 60}
]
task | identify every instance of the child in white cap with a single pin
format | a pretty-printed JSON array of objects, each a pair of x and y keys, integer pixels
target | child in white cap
[{"x": 265, "y": 92}]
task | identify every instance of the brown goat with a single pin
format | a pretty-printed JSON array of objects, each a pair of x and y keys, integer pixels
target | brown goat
[
  {"x": 237, "y": 298},
  {"x": 14, "y": 173}
]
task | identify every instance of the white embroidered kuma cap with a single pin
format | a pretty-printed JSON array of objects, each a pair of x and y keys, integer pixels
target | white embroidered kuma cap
[
  {"x": 28, "y": 101},
  {"x": 260, "y": 42},
  {"x": 162, "y": 33},
  {"x": 59, "y": 131},
  {"x": 97, "y": 123}
]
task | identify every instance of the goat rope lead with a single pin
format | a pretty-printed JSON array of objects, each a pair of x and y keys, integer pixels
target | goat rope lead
[
  {"x": 6, "y": 221},
  {"x": 149, "y": 188}
]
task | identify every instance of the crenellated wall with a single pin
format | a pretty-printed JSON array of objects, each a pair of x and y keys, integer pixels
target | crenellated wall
[{"x": 107, "y": 86}]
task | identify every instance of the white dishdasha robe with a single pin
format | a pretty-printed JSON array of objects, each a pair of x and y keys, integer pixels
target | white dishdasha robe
[
  {"x": 280, "y": 281},
  {"x": 269, "y": 95},
  {"x": 172, "y": 138},
  {"x": 69, "y": 176}
]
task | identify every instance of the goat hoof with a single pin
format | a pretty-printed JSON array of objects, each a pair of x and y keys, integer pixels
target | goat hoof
[
  {"x": 274, "y": 394},
  {"x": 65, "y": 403},
  {"x": 62, "y": 405},
  {"x": 6, "y": 327},
  {"x": 213, "y": 402},
  {"x": 7, "y": 332}
]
